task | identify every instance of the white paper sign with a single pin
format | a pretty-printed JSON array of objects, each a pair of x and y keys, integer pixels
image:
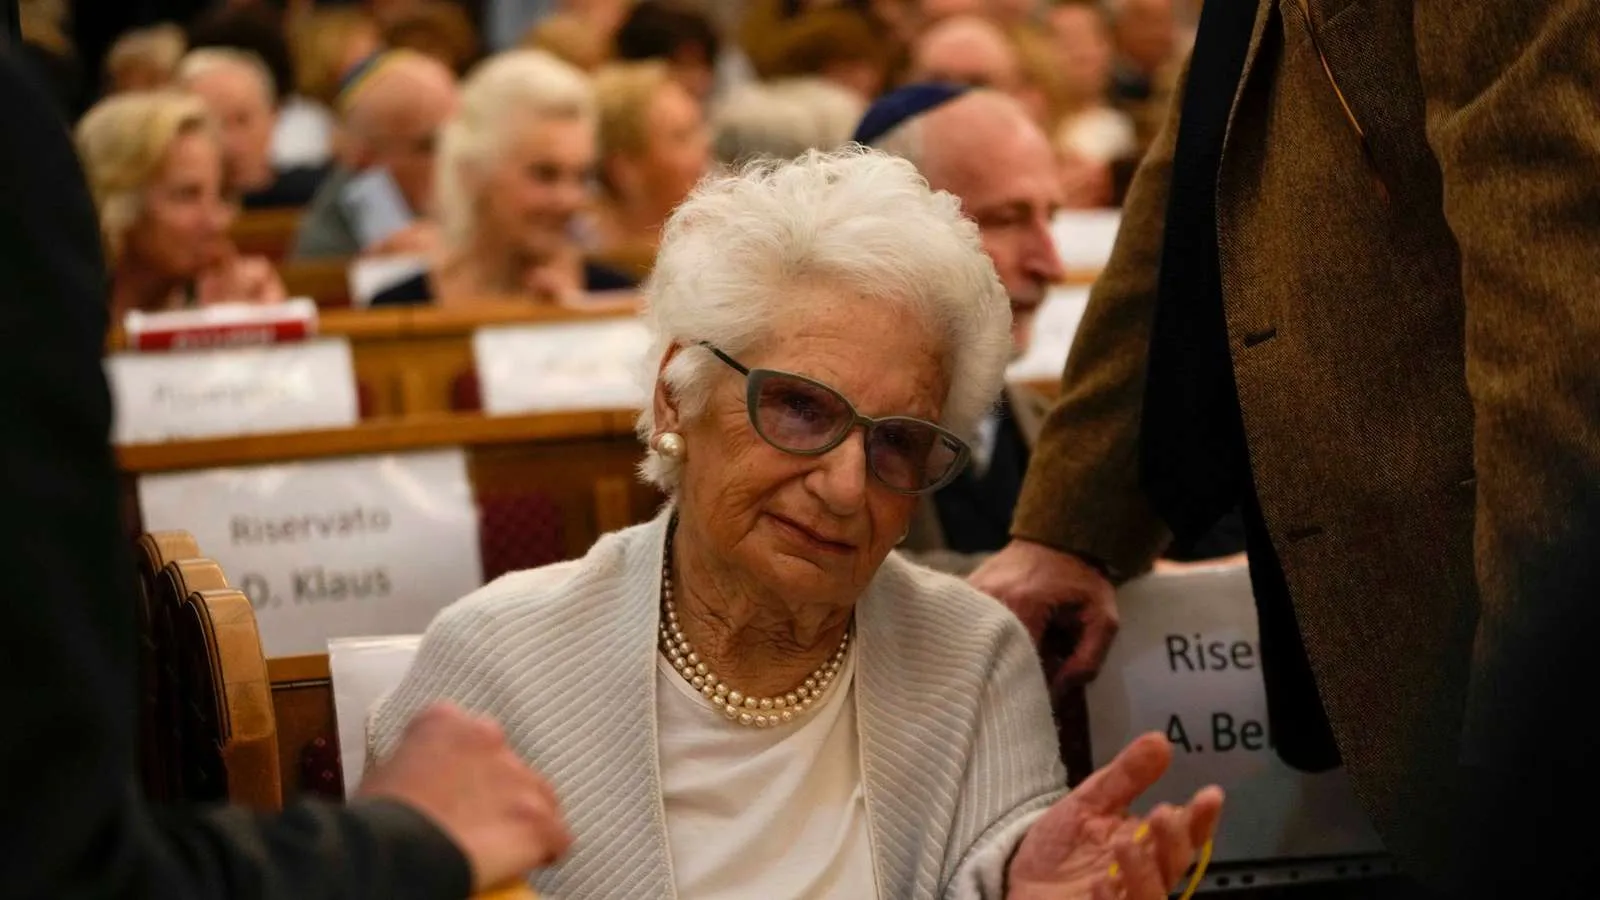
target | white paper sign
[
  {"x": 1186, "y": 662},
  {"x": 1054, "y": 327},
  {"x": 1084, "y": 238},
  {"x": 334, "y": 548},
  {"x": 240, "y": 390},
  {"x": 364, "y": 670},
  {"x": 563, "y": 366}
]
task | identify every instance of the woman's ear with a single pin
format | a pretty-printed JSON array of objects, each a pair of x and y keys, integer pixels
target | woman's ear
[{"x": 664, "y": 404}]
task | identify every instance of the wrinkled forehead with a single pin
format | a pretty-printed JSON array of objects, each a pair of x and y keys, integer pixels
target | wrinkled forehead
[{"x": 875, "y": 351}]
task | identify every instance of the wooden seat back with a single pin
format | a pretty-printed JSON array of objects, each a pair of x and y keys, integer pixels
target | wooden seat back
[
  {"x": 231, "y": 739},
  {"x": 327, "y": 281},
  {"x": 152, "y": 553}
]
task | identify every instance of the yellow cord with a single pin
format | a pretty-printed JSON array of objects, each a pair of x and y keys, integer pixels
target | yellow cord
[
  {"x": 1199, "y": 871},
  {"x": 1199, "y": 867}
]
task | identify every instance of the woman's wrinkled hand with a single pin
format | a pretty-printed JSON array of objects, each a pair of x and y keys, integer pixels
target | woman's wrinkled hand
[{"x": 1088, "y": 846}]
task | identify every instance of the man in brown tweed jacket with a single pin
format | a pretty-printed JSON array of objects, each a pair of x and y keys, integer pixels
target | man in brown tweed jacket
[{"x": 1357, "y": 295}]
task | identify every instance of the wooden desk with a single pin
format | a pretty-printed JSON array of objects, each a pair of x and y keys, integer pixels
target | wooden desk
[
  {"x": 266, "y": 232},
  {"x": 410, "y": 360}
]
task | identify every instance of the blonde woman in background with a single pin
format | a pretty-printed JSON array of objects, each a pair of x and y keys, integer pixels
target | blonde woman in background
[
  {"x": 654, "y": 147},
  {"x": 514, "y": 165},
  {"x": 154, "y": 164}
]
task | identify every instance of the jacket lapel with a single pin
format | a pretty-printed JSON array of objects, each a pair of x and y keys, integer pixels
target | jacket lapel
[{"x": 1263, "y": 16}]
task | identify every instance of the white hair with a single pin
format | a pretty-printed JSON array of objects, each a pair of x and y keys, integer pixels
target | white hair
[
  {"x": 783, "y": 119},
  {"x": 506, "y": 90},
  {"x": 854, "y": 217},
  {"x": 199, "y": 63}
]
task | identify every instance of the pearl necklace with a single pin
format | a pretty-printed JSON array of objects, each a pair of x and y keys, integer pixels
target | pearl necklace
[{"x": 762, "y": 712}]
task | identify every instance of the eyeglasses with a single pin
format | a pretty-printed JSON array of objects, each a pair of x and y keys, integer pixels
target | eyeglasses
[{"x": 805, "y": 417}]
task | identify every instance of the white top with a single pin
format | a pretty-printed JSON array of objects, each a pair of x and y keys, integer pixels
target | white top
[
  {"x": 1101, "y": 134},
  {"x": 303, "y": 135},
  {"x": 776, "y": 813}
]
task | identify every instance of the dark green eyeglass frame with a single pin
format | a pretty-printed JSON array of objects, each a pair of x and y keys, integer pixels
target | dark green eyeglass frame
[{"x": 755, "y": 378}]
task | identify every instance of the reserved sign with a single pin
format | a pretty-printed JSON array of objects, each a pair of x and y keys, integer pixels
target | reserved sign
[
  {"x": 562, "y": 366},
  {"x": 241, "y": 390},
  {"x": 349, "y": 547},
  {"x": 1186, "y": 662},
  {"x": 364, "y": 670}
]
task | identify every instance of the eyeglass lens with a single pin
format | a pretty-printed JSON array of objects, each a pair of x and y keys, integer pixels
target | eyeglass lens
[{"x": 801, "y": 416}]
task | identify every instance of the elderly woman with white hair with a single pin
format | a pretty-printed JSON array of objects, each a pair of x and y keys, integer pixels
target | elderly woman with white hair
[
  {"x": 513, "y": 175},
  {"x": 752, "y": 695}
]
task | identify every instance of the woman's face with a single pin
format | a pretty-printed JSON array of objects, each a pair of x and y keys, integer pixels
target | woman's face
[
  {"x": 679, "y": 148},
  {"x": 538, "y": 185},
  {"x": 183, "y": 217},
  {"x": 1083, "y": 44},
  {"x": 807, "y": 530}
]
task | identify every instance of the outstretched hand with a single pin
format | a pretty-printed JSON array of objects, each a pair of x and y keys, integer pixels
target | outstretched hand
[{"x": 1069, "y": 853}]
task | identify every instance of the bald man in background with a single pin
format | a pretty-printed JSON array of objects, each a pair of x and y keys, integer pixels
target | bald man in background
[
  {"x": 393, "y": 110},
  {"x": 969, "y": 50},
  {"x": 982, "y": 148}
]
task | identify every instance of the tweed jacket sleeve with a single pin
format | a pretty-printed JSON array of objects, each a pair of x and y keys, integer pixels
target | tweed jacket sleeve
[
  {"x": 1082, "y": 492},
  {"x": 1512, "y": 119}
]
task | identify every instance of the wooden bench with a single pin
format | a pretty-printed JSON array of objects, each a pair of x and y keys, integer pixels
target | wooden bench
[
  {"x": 266, "y": 232},
  {"x": 581, "y": 465}
]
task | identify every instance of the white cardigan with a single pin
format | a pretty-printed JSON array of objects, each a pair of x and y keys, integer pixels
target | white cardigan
[{"x": 958, "y": 750}]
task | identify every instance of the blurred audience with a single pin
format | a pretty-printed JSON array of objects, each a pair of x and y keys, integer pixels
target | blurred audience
[
  {"x": 145, "y": 59},
  {"x": 153, "y": 160},
  {"x": 514, "y": 170},
  {"x": 783, "y": 119},
  {"x": 984, "y": 148},
  {"x": 570, "y": 38},
  {"x": 237, "y": 88},
  {"x": 676, "y": 34},
  {"x": 255, "y": 28},
  {"x": 436, "y": 28},
  {"x": 1147, "y": 59},
  {"x": 48, "y": 52},
  {"x": 654, "y": 147},
  {"x": 841, "y": 42},
  {"x": 1091, "y": 135},
  {"x": 327, "y": 43},
  {"x": 969, "y": 50},
  {"x": 1039, "y": 79},
  {"x": 392, "y": 109}
]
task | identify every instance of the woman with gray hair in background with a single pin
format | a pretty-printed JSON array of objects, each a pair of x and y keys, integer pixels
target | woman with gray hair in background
[
  {"x": 782, "y": 119},
  {"x": 751, "y": 695},
  {"x": 513, "y": 174}
]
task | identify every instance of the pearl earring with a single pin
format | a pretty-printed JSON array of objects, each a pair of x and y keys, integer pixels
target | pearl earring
[{"x": 670, "y": 444}]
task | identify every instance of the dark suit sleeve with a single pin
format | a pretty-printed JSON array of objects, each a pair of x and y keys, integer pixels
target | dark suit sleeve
[
  {"x": 1513, "y": 121},
  {"x": 1082, "y": 491},
  {"x": 73, "y": 822}
]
